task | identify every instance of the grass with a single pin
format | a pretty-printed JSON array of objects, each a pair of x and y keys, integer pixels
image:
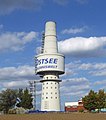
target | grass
[{"x": 55, "y": 116}]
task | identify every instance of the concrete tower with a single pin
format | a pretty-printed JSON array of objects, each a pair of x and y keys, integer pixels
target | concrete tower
[{"x": 49, "y": 65}]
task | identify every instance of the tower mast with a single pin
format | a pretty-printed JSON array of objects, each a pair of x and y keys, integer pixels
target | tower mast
[{"x": 50, "y": 64}]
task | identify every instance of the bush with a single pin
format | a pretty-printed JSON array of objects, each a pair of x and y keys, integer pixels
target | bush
[
  {"x": 12, "y": 111},
  {"x": 81, "y": 110}
]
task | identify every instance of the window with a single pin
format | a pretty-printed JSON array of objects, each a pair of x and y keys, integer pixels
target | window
[
  {"x": 56, "y": 97},
  {"x": 55, "y": 87},
  {"x": 46, "y": 93},
  {"x": 46, "y": 97},
  {"x": 46, "y": 87},
  {"x": 51, "y": 92},
  {"x": 51, "y": 87},
  {"x": 51, "y": 97},
  {"x": 55, "y": 92},
  {"x": 46, "y": 83}
]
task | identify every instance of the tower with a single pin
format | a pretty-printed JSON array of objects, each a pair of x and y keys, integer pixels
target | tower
[
  {"x": 49, "y": 65},
  {"x": 32, "y": 91}
]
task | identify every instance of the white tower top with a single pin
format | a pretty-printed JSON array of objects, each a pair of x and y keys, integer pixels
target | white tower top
[
  {"x": 50, "y": 43},
  {"x": 50, "y": 28}
]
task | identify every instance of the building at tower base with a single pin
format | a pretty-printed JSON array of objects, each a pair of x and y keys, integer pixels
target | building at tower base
[{"x": 49, "y": 65}]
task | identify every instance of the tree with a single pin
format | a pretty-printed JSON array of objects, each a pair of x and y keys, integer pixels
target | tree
[
  {"x": 19, "y": 95},
  {"x": 7, "y": 99},
  {"x": 89, "y": 101},
  {"x": 95, "y": 100},
  {"x": 26, "y": 99},
  {"x": 101, "y": 99},
  {"x": 105, "y": 102}
]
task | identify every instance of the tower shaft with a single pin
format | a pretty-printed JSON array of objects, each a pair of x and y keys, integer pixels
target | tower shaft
[{"x": 50, "y": 94}]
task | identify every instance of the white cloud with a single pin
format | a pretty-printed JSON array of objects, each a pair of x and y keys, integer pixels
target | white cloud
[
  {"x": 61, "y": 2},
  {"x": 18, "y": 73},
  {"x": 75, "y": 86},
  {"x": 65, "y": 2},
  {"x": 98, "y": 73},
  {"x": 38, "y": 50},
  {"x": 95, "y": 66},
  {"x": 100, "y": 82},
  {"x": 100, "y": 66},
  {"x": 73, "y": 65},
  {"x": 7, "y": 6},
  {"x": 69, "y": 72},
  {"x": 1, "y": 26},
  {"x": 15, "y": 84},
  {"x": 19, "y": 84},
  {"x": 92, "y": 69},
  {"x": 82, "y": 1},
  {"x": 74, "y": 30},
  {"x": 79, "y": 94},
  {"x": 15, "y": 41},
  {"x": 86, "y": 66},
  {"x": 83, "y": 47},
  {"x": 75, "y": 81},
  {"x": 17, "y": 77}
]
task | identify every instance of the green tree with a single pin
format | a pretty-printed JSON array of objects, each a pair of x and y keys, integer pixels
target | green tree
[
  {"x": 90, "y": 100},
  {"x": 101, "y": 99},
  {"x": 105, "y": 100},
  {"x": 7, "y": 99},
  {"x": 26, "y": 100},
  {"x": 95, "y": 100},
  {"x": 20, "y": 95}
]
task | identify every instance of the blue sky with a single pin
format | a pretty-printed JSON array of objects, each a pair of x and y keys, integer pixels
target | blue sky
[{"x": 81, "y": 33}]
